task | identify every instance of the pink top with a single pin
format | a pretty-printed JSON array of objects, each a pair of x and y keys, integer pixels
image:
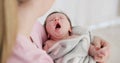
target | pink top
[{"x": 27, "y": 51}]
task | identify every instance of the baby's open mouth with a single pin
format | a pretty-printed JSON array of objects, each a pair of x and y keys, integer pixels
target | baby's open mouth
[{"x": 57, "y": 26}]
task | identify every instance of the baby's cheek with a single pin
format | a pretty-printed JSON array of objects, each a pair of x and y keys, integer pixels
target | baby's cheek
[{"x": 49, "y": 27}]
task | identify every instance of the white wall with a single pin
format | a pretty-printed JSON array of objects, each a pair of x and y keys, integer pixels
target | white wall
[
  {"x": 66, "y": 6},
  {"x": 119, "y": 8},
  {"x": 86, "y": 12}
]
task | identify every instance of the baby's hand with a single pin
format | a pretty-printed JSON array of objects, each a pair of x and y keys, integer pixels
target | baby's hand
[
  {"x": 92, "y": 50},
  {"x": 96, "y": 53},
  {"x": 99, "y": 50},
  {"x": 102, "y": 55}
]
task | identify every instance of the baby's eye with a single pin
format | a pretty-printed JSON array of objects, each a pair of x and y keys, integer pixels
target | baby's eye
[
  {"x": 50, "y": 20},
  {"x": 61, "y": 18}
]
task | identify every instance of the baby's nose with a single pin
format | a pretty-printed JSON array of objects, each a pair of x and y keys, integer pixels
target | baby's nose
[{"x": 56, "y": 19}]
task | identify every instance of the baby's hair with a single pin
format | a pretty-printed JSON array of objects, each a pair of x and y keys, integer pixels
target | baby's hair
[{"x": 60, "y": 13}]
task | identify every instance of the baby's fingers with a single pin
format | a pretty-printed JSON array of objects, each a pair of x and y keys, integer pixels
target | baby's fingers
[
  {"x": 99, "y": 58},
  {"x": 97, "y": 42}
]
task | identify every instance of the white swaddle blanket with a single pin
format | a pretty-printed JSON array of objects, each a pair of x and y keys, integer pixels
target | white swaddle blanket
[{"x": 73, "y": 50}]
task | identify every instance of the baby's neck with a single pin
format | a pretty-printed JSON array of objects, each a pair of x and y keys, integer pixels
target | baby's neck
[{"x": 60, "y": 38}]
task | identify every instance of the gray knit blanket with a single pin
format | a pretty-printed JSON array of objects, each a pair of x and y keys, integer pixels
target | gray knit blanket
[{"x": 74, "y": 50}]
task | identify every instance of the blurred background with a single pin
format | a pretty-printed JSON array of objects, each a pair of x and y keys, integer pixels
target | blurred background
[{"x": 101, "y": 17}]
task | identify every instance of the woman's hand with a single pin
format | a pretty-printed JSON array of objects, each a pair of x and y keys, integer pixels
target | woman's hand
[{"x": 99, "y": 50}]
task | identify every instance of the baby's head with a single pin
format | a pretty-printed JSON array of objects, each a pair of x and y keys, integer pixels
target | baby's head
[{"x": 58, "y": 25}]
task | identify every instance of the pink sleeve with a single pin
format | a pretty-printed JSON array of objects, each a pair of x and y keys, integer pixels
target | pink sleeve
[
  {"x": 38, "y": 34},
  {"x": 26, "y": 51}
]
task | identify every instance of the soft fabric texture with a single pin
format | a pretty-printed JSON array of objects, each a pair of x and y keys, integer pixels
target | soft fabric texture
[
  {"x": 30, "y": 51},
  {"x": 38, "y": 34},
  {"x": 74, "y": 50}
]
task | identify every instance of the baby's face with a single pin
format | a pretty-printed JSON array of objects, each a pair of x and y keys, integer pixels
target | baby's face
[{"x": 57, "y": 25}]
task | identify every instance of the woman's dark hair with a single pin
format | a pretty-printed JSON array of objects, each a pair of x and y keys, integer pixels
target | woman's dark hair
[{"x": 60, "y": 13}]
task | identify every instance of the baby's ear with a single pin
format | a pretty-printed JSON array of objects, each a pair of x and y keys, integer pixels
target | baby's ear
[{"x": 70, "y": 30}]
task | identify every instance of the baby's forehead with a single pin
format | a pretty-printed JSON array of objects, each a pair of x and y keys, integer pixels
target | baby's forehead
[{"x": 56, "y": 14}]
